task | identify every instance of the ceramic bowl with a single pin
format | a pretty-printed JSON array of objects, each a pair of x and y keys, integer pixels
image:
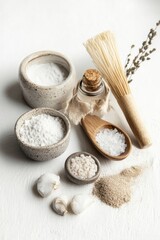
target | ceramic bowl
[
  {"x": 46, "y": 152},
  {"x": 53, "y": 96},
  {"x": 76, "y": 179}
]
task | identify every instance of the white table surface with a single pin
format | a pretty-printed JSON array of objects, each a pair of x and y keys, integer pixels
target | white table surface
[{"x": 32, "y": 25}]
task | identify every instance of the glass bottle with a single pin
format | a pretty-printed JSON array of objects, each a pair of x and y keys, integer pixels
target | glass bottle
[{"x": 91, "y": 87}]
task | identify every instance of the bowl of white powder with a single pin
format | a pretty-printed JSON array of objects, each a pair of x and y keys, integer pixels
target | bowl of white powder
[
  {"x": 82, "y": 168},
  {"x": 47, "y": 79},
  {"x": 43, "y": 133}
]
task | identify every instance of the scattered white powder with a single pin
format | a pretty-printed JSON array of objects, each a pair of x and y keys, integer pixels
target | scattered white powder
[
  {"x": 47, "y": 74},
  {"x": 42, "y": 130},
  {"x": 83, "y": 166},
  {"x": 112, "y": 141}
]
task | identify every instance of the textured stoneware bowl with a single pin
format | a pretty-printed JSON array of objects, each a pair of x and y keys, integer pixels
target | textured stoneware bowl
[
  {"x": 47, "y": 152},
  {"x": 78, "y": 180},
  {"x": 54, "y": 96}
]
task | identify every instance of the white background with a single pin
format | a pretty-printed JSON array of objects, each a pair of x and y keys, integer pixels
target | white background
[{"x": 63, "y": 25}]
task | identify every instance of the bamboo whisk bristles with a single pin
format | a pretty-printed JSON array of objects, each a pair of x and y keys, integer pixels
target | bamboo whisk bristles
[{"x": 104, "y": 53}]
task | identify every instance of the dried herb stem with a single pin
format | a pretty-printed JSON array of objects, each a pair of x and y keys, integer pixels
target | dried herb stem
[{"x": 133, "y": 63}]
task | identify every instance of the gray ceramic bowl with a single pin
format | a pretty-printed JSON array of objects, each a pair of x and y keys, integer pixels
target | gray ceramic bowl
[
  {"x": 78, "y": 180},
  {"x": 52, "y": 96},
  {"x": 47, "y": 152}
]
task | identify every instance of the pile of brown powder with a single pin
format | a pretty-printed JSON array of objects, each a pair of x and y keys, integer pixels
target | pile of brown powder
[{"x": 116, "y": 190}]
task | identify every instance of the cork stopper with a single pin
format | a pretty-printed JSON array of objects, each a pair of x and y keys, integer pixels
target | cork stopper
[{"x": 92, "y": 80}]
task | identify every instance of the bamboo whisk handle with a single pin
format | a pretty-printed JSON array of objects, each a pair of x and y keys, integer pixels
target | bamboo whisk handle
[{"x": 136, "y": 124}]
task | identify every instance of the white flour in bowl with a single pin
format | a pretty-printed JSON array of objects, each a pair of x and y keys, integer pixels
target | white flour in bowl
[{"x": 42, "y": 130}]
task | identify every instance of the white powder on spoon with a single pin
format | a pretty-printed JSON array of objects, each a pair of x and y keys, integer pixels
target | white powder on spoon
[
  {"x": 111, "y": 141},
  {"x": 42, "y": 130},
  {"x": 47, "y": 74}
]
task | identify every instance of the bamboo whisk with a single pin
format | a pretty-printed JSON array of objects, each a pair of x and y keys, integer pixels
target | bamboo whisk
[{"x": 102, "y": 48}]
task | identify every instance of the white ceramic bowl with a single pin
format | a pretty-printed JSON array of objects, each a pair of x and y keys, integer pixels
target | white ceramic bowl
[
  {"x": 46, "y": 152},
  {"x": 52, "y": 96}
]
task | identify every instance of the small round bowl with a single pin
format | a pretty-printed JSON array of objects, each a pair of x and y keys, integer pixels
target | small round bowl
[
  {"x": 46, "y": 152},
  {"x": 52, "y": 96},
  {"x": 77, "y": 180}
]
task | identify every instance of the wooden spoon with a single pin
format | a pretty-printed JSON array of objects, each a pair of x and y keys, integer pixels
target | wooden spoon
[{"x": 92, "y": 125}]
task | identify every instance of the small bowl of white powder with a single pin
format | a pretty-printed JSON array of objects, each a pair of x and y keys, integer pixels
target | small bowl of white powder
[
  {"x": 43, "y": 133},
  {"x": 82, "y": 168},
  {"x": 47, "y": 79}
]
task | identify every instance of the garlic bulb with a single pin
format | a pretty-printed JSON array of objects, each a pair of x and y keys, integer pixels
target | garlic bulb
[
  {"x": 59, "y": 205},
  {"x": 80, "y": 202},
  {"x": 46, "y": 183}
]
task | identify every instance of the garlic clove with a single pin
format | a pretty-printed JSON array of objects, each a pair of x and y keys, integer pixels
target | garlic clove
[
  {"x": 59, "y": 205},
  {"x": 46, "y": 183},
  {"x": 80, "y": 202}
]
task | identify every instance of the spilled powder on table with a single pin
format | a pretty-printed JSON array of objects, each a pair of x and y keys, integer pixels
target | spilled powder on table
[{"x": 116, "y": 190}]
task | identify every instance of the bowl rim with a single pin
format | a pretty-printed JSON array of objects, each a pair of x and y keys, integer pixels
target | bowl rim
[
  {"x": 32, "y": 56},
  {"x": 80, "y": 180},
  {"x": 61, "y": 115}
]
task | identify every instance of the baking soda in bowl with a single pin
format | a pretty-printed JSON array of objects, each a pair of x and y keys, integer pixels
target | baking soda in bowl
[
  {"x": 47, "y": 79},
  {"x": 42, "y": 130},
  {"x": 47, "y": 73}
]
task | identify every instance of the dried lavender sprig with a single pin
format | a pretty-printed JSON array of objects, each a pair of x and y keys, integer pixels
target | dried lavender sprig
[
  {"x": 146, "y": 43},
  {"x": 143, "y": 54},
  {"x": 128, "y": 59},
  {"x": 136, "y": 63}
]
